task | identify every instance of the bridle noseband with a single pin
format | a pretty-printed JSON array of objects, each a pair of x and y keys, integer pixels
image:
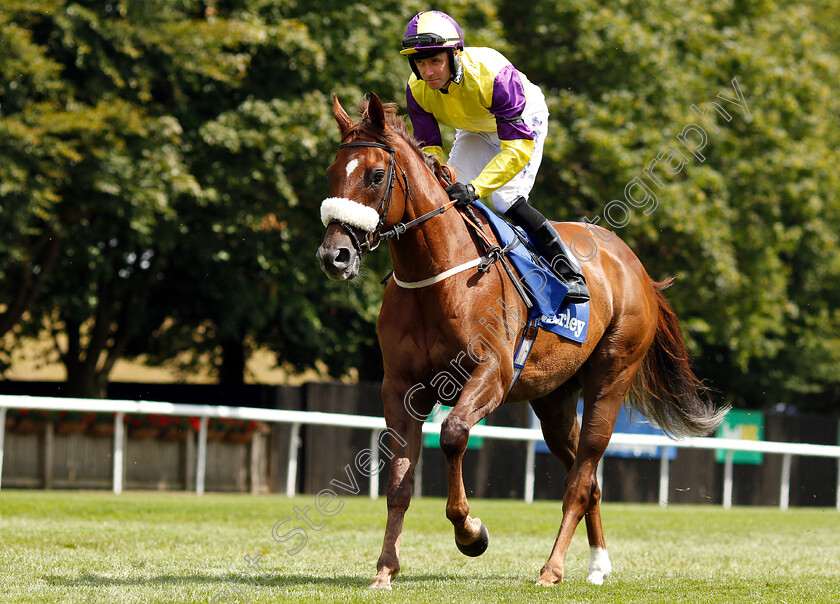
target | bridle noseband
[{"x": 374, "y": 238}]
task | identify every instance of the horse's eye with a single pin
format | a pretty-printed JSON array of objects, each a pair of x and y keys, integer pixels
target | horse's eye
[{"x": 377, "y": 177}]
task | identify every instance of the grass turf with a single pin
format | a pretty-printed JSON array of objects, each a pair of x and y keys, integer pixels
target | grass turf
[{"x": 152, "y": 547}]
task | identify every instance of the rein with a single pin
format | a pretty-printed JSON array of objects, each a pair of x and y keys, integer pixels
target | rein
[{"x": 398, "y": 229}]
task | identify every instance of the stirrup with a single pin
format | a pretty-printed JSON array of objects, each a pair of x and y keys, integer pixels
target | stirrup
[
  {"x": 578, "y": 292},
  {"x": 576, "y": 282}
]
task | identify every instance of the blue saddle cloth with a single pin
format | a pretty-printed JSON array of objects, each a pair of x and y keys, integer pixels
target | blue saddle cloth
[{"x": 547, "y": 291}]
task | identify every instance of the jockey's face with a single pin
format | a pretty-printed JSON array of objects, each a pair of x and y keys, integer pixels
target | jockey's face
[{"x": 435, "y": 70}]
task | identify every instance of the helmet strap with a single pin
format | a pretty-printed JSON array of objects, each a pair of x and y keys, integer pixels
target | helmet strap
[
  {"x": 456, "y": 66},
  {"x": 414, "y": 68}
]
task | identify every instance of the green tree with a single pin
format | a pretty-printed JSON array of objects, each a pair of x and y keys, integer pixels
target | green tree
[
  {"x": 164, "y": 162},
  {"x": 36, "y": 156},
  {"x": 263, "y": 162},
  {"x": 750, "y": 231},
  {"x": 134, "y": 76}
]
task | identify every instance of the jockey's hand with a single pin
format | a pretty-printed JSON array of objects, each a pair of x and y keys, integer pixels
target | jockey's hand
[{"x": 463, "y": 195}]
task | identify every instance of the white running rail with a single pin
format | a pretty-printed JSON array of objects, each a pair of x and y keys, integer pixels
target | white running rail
[{"x": 376, "y": 424}]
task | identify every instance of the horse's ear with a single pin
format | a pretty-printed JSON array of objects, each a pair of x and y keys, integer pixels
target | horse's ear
[
  {"x": 376, "y": 112},
  {"x": 342, "y": 119}
]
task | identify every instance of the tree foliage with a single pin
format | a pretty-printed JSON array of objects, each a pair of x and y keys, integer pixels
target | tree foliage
[
  {"x": 164, "y": 162},
  {"x": 750, "y": 230}
]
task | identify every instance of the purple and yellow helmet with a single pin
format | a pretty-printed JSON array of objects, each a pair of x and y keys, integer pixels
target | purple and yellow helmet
[{"x": 429, "y": 33}]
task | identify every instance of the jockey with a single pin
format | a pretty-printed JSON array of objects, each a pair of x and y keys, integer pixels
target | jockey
[{"x": 500, "y": 120}]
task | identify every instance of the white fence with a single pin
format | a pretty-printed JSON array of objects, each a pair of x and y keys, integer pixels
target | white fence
[{"x": 376, "y": 425}]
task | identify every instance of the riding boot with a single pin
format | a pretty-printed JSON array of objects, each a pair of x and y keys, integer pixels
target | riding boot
[
  {"x": 552, "y": 247},
  {"x": 557, "y": 253}
]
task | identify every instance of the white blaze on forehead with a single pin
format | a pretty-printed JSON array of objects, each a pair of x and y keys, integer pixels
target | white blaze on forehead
[{"x": 351, "y": 166}]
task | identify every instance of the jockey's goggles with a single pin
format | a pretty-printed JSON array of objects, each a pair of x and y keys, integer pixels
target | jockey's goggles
[{"x": 427, "y": 41}]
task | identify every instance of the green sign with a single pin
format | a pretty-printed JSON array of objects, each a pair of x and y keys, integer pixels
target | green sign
[
  {"x": 742, "y": 424},
  {"x": 433, "y": 440}
]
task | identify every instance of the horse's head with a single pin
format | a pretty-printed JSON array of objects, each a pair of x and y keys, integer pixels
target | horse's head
[{"x": 367, "y": 188}]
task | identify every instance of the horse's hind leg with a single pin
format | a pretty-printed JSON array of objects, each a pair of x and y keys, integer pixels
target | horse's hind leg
[
  {"x": 604, "y": 387},
  {"x": 557, "y": 413}
]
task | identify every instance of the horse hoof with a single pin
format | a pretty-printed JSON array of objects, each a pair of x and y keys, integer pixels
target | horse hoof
[
  {"x": 381, "y": 582},
  {"x": 477, "y": 547},
  {"x": 550, "y": 575}
]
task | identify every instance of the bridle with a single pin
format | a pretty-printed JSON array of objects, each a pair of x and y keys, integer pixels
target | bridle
[{"x": 374, "y": 238}]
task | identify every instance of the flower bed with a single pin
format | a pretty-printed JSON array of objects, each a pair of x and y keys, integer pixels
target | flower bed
[{"x": 138, "y": 425}]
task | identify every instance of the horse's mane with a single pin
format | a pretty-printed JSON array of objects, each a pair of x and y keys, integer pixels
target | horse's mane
[{"x": 396, "y": 124}]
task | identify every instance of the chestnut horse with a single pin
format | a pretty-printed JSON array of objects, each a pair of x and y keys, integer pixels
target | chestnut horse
[{"x": 433, "y": 330}]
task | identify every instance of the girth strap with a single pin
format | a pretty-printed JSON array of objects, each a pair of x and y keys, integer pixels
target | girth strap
[{"x": 523, "y": 351}]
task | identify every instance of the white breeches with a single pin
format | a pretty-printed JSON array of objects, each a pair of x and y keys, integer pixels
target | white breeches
[{"x": 472, "y": 151}]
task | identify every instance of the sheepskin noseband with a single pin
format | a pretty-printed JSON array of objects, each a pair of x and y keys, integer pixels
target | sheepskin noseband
[{"x": 349, "y": 212}]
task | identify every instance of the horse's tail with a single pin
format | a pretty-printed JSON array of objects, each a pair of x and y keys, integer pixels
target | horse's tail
[{"x": 665, "y": 389}]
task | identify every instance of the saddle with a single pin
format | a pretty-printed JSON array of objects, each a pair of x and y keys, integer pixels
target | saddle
[{"x": 547, "y": 292}]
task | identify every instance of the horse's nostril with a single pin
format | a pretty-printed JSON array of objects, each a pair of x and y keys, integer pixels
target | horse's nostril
[{"x": 342, "y": 256}]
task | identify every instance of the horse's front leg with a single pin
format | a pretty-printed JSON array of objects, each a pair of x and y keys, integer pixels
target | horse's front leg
[
  {"x": 406, "y": 433},
  {"x": 480, "y": 396}
]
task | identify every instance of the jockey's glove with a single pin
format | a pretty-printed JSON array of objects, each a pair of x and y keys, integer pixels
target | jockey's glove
[{"x": 462, "y": 194}]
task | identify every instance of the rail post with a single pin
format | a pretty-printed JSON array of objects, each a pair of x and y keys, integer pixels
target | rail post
[
  {"x": 664, "y": 477},
  {"x": 292, "y": 464},
  {"x": 374, "y": 463},
  {"x": 784, "y": 492},
  {"x": 201, "y": 463},
  {"x": 2, "y": 441},
  {"x": 599, "y": 476},
  {"x": 530, "y": 462},
  {"x": 119, "y": 448},
  {"x": 838, "y": 484},
  {"x": 727, "y": 479}
]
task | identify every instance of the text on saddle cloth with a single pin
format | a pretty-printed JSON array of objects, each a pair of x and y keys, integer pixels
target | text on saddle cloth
[{"x": 547, "y": 291}]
